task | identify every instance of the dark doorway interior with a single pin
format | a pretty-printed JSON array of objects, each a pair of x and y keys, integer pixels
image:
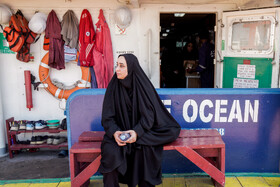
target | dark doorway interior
[{"x": 179, "y": 33}]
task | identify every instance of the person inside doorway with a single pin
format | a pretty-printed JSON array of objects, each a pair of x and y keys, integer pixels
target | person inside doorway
[
  {"x": 171, "y": 65},
  {"x": 205, "y": 61},
  {"x": 189, "y": 53}
]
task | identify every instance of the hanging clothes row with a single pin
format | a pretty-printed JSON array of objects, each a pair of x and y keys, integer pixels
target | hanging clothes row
[{"x": 95, "y": 49}]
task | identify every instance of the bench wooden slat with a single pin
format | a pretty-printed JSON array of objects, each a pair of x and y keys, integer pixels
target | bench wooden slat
[
  {"x": 91, "y": 136},
  {"x": 196, "y": 143},
  {"x": 198, "y": 133},
  {"x": 86, "y": 147},
  {"x": 87, "y": 157},
  {"x": 96, "y": 136}
]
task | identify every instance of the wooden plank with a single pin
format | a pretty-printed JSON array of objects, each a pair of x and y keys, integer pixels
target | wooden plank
[
  {"x": 123, "y": 185},
  {"x": 96, "y": 183},
  {"x": 273, "y": 181},
  {"x": 86, "y": 147},
  {"x": 16, "y": 185},
  {"x": 86, "y": 173},
  {"x": 198, "y": 182},
  {"x": 43, "y": 185},
  {"x": 232, "y": 182},
  {"x": 29, "y": 146},
  {"x": 160, "y": 185},
  {"x": 196, "y": 143},
  {"x": 54, "y": 131},
  {"x": 74, "y": 167},
  {"x": 203, "y": 164},
  {"x": 91, "y": 136},
  {"x": 211, "y": 152},
  {"x": 168, "y": 182},
  {"x": 8, "y": 122},
  {"x": 198, "y": 133},
  {"x": 222, "y": 160},
  {"x": 64, "y": 184},
  {"x": 253, "y": 181},
  {"x": 179, "y": 182},
  {"x": 86, "y": 157}
]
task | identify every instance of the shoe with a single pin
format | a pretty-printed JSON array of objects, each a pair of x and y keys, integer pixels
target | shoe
[
  {"x": 33, "y": 140},
  {"x": 53, "y": 124},
  {"x": 30, "y": 125},
  {"x": 50, "y": 140},
  {"x": 45, "y": 138},
  {"x": 23, "y": 142},
  {"x": 22, "y": 125},
  {"x": 40, "y": 125},
  {"x": 63, "y": 124},
  {"x": 39, "y": 140},
  {"x": 27, "y": 142},
  {"x": 14, "y": 126},
  {"x": 58, "y": 140},
  {"x": 62, "y": 153}
]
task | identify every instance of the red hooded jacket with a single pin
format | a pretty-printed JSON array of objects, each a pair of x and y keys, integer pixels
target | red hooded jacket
[
  {"x": 86, "y": 39},
  {"x": 103, "y": 53}
]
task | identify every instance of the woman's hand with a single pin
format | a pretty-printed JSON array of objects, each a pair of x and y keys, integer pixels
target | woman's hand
[
  {"x": 117, "y": 138},
  {"x": 133, "y": 136}
]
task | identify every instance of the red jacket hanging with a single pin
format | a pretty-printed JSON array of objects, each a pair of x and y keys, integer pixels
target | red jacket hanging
[
  {"x": 103, "y": 53},
  {"x": 86, "y": 39}
]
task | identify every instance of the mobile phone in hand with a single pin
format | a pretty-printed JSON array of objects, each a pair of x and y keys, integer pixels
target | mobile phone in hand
[{"x": 125, "y": 136}]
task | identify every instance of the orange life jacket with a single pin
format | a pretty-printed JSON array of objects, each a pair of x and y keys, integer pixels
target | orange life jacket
[
  {"x": 15, "y": 39},
  {"x": 46, "y": 45},
  {"x": 19, "y": 36}
]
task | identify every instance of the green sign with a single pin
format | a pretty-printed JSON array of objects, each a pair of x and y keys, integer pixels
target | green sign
[
  {"x": 245, "y": 72},
  {"x": 4, "y": 46}
]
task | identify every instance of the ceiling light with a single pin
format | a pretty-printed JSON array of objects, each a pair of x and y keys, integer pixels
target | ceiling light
[
  {"x": 179, "y": 14},
  {"x": 167, "y": 30},
  {"x": 164, "y": 34}
]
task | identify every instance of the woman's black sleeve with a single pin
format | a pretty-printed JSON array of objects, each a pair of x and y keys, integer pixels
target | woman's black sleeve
[
  {"x": 108, "y": 117},
  {"x": 146, "y": 121}
]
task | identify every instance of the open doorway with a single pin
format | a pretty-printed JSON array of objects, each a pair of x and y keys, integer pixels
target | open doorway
[{"x": 186, "y": 60}]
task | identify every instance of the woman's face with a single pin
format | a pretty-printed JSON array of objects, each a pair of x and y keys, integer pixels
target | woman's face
[
  {"x": 121, "y": 69},
  {"x": 190, "y": 47}
]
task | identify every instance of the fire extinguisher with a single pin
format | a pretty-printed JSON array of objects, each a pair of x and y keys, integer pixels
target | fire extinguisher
[{"x": 28, "y": 90}]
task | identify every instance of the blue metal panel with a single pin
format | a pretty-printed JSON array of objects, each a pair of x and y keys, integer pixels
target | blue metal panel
[{"x": 248, "y": 119}]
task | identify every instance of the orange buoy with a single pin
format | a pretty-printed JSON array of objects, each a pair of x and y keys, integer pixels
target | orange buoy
[{"x": 54, "y": 90}]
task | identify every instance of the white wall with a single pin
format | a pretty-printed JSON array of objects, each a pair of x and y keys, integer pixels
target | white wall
[{"x": 45, "y": 105}]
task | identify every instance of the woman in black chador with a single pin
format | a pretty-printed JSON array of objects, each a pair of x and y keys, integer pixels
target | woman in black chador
[{"x": 132, "y": 105}]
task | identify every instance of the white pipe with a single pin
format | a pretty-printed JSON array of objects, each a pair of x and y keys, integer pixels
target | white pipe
[{"x": 2, "y": 131}]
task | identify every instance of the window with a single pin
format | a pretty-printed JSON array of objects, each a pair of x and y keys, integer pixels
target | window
[{"x": 251, "y": 35}]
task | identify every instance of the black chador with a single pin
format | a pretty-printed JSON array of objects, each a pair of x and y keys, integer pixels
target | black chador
[{"x": 133, "y": 104}]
